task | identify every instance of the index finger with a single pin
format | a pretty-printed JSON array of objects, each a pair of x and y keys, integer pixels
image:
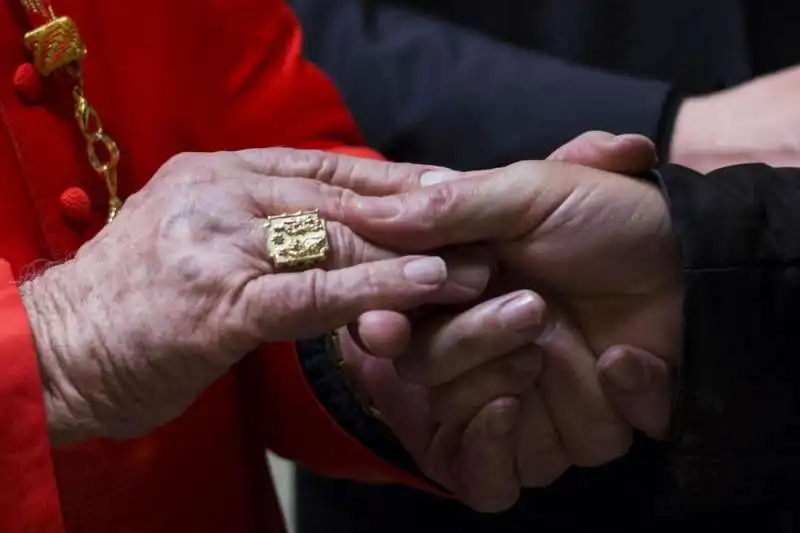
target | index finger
[
  {"x": 494, "y": 206},
  {"x": 370, "y": 177}
]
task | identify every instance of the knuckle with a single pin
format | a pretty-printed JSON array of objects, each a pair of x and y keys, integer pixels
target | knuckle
[
  {"x": 336, "y": 197},
  {"x": 371, "y": 283},
  {"x": 315, "y": 164},
  {"x": 315, "y": 293},
  {"x": 429, "y": 207},
  {"x": 186, "y": 169},
  {"x": 346, "y": 251},
  {"x": 178, "y": 163},
  {"x": 178, "y": 160},
  {"x": 332, "y": 169}
]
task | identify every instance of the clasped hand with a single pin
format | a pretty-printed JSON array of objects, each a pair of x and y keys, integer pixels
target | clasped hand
[
  {"x": 488, "y": 398},
  {"x": 514, "y": 356}
]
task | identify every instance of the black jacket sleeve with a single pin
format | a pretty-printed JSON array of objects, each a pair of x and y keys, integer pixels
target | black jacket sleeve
[
  {"x": 426, "y": 91},
  {"x": 738, "y": 414},
  {"x": 327, "y": 378}
]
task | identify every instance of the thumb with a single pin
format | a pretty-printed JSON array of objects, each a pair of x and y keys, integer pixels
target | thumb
[
  {"x": 638, "y": 384},
  {"x": 305, "y": 304},
  {"x": 626, "y": 154}
]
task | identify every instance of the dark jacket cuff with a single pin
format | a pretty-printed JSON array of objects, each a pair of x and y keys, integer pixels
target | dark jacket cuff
[
  {"x": 737, "y": 410},
  {"x": 666, "y": 124},
  {"x": 322, "y": 371}
]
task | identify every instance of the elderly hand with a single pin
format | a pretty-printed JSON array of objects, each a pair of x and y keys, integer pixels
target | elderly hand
[
  {"x": 179, "y": 287},
  {"x": 488, "y": 355}
]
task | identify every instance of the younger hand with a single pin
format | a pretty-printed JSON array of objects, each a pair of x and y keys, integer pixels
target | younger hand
[{"x": 471, "y": 373}]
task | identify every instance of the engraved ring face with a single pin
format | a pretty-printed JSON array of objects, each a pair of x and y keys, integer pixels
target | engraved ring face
[{"x": 297, "y": 240}]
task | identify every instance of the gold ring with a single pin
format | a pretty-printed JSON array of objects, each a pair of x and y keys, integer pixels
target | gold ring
[{"x": 297, "y": 240}]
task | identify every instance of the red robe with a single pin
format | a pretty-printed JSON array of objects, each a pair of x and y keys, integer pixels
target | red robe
[{"x": 166, "y": 76}]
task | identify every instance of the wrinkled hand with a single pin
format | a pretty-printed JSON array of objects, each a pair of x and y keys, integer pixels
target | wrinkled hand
[
  {"x": 178, "y": 288},
  {"x": 757, "y": 121}
]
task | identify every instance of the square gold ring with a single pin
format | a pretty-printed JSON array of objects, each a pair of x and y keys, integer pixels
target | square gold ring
[{"x": 297, "y": 240}]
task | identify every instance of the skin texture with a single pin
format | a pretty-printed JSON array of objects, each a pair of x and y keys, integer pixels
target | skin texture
[
  {"x": 126, "y": 345},
  {"x": 751, "y": 123},
  {"x": 574, "y": 410}
]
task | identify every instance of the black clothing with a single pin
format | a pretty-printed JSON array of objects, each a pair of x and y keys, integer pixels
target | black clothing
[{"x": 488, "y": 83}]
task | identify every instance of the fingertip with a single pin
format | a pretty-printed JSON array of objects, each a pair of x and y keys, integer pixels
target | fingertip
[
  {"x": 573, "y": 148},
  {"x": 634, "y": 139},
  {"x": 612, "y": 355},
  {"x": 471, "y": 279},
  {"x": 383, "y": 334},
  {"x": 522, "y": 310},
  {"x": 638, "y": 384},
  {"x": 628, "y": 368},
  {"x": 426, "y": 270},
  {"x": 636, "y": 153}
]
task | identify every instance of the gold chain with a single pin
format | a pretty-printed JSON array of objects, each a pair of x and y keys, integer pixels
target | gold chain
[
  {"x": 39, "y": 7},
  {"x": 57, "y": 45}
]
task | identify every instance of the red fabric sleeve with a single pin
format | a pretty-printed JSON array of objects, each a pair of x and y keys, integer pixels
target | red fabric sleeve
[{"x": 28, "y": 494}]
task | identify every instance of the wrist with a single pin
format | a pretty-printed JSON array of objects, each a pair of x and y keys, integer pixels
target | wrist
[
  {"x": 690, "y": 135},
  {"x": 48, "y": 311}
]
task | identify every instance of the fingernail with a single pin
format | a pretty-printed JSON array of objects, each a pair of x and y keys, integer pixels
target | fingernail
[
  {"x": 432, "y": 177},
  {"x": 426, "y": 271},
  {"x": 627, "y": 137},
  {"x": 627, "y": 374},
  {"x": 472, "y": 277},
  {"x": 504, "y": 417},
  {"x": 374, "y": 207},
  {"x": 520, "y": 313}
]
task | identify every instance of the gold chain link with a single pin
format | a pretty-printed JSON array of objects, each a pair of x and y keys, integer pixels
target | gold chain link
[
  {"x": 86, "y": 116},
  {"x": 92, "y": 129},
  {"x": 39, "y": 7}
]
